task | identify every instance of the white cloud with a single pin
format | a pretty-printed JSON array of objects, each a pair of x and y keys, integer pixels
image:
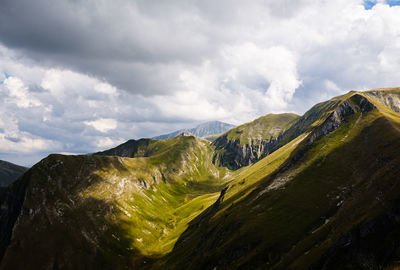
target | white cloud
[
  {"x": 103, "y": 124},
  {"x": 18, "y": 93},
  {"x": 271, "y": 71},
  {"x": 106, "y": 88},
  {"x": 107, "y": 142},
  {"x": 26, "y": 144},
  {"x": 13, "y": 140}
]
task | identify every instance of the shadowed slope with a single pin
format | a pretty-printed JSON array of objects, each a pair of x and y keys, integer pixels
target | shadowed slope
[{"x": 10, "y": 172}]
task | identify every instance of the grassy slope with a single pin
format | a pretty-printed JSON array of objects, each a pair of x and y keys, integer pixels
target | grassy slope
[
  {"x": 288, "y": 209},
  {"x": 107, "y": 211}
]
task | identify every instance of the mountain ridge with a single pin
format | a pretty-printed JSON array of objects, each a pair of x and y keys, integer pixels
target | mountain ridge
[{"x": 10, "y": 172}]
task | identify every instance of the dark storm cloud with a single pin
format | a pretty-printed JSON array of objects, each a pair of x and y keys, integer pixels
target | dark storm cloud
[
  {"x": 120, "y": 41},
  {"x": 139, "y": 46}
]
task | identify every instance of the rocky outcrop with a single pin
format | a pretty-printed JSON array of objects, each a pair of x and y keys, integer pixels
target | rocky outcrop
[
  {"x": 250, "y": 142},
  {"x": 390, "y": 99},
  {"x": 233, "y": 155},
  {"x": 356, "y": 103},
  {"x": 186, "y": 134}
]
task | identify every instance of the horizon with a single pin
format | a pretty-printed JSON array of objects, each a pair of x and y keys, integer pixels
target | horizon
[{"x": 82, "y": 76}]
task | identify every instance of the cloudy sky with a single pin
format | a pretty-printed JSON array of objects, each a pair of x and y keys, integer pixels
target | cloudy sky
[{"x": 78, "y": 76}]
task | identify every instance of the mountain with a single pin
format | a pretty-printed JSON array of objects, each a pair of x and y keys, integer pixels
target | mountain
[
  {"x": 328, "y": 199},
  {"x": 248, "y": 143},
  {"x": 10, "y": 172},
  {"x": 103, "y": 211},
  {"x": 326, "y": 196},
  {"x": 202, "y": 130}
]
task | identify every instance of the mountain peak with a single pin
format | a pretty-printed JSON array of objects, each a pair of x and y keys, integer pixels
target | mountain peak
[
  {"x": 202, "y": 130},
  {"x": 186, "y": 134}
]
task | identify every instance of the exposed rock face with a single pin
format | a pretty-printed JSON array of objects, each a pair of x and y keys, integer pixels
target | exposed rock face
[
  {"x": 390, "y": 99},
  {"x": 252, "y": 141},
  {"x": 235, "y": 155},
  {"x": 186, "y": 134},
  {"x": 356, "y": 103}
]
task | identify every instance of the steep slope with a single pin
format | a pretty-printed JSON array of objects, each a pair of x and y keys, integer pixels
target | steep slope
[
  {"x": 108, "y": 212},
  {"x": 252, "y": 141},
  {"x": 202, "y": 130},
  {"x": 328, "y": 199},
  {"x": 10, "y": 172}
]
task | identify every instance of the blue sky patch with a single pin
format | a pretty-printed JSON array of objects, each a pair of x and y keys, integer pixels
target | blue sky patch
[
  {"x": 393, "y": 2},
  {"x": 368, "y": 4},
  {"x": 5, "y": 75}
]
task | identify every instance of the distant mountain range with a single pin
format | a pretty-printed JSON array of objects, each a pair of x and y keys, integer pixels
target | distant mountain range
[
  {"x": 201, "y": 131},
  {"x": 319, "y": 191},
  {"x": 10, "y": 172}
]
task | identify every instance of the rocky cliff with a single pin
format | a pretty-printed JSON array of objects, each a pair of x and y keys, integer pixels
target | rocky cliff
[{"x": 252, "y": 141}]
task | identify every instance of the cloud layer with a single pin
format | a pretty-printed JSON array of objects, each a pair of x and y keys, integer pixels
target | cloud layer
[{"x": 80, "y": 76}]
